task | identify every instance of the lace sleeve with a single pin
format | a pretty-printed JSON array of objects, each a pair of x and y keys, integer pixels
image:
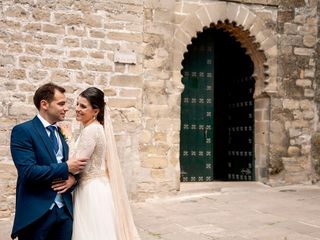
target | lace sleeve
[{"x": 86, "y": 142}]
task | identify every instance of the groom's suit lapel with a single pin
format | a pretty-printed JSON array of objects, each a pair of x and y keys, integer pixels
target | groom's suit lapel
[{"x": 41, "y": 131}]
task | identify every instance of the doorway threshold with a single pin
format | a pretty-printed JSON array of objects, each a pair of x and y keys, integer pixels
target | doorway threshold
[{"x": 217, "y": 186}]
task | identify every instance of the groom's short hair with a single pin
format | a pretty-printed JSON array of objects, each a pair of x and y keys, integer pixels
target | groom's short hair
[{"x": 46, "y": 92}]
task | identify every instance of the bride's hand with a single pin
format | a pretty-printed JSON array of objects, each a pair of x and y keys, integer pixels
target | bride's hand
[
  {"x": 65, "y": 128},
  {"x": 63, "y": 186}
]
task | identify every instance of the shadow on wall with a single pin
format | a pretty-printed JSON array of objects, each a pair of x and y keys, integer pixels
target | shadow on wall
[{"x": 315, "y": 154}]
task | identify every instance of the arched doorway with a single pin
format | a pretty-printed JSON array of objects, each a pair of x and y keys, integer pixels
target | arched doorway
[{"x": 217, "y": 110}]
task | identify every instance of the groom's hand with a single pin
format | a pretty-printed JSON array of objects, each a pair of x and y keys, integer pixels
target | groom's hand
[
  {"x": 63, "y": 186},
  {"x": 76, "y": 165}
]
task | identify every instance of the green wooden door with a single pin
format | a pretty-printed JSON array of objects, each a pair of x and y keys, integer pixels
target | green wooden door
[
  {"x": 216, "y": 137},
  {"x": 197, "y": 113}
]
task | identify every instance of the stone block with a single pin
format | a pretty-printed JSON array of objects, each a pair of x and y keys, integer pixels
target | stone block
[
  {"x": 309, "y": 93},
  {"x": 32, "y": 27},
  {"x": 156, "y": 111},
  {"x": 276, "y": 139},
  {"x": 50, "y": 62},
  {"x": 294, "y": 132},
  {"x": 86, "y": 43},
  {"x": 290, "y": 28},
  {"x": 97, "y": 54},
  {"x": 76, "y": 31},
  {"x": 18, "y": 74},
  {"x": 155, "y": 162},
  {"x": 192, "y": 25},
  {"x": 156, "y": 98},
  {"x": 159, "y": 174},
  {"x": 45, "y": 39},
  {"x": 190, "y": 7},
  {"x": 122, "y": 103},
  {"x": 68, "y": 19},
  {"x": 257, "y": 27},
  {"x": 41, "y": 14},
  {"x": 300, "y": 124},
  {"x": 78, "y": 54},
  {"x": 130, "y": 93},
  {"x": 163, "y": 15},
  {"x": 309, "y": 40},
  {"x": 217, "y": 11},
  {"x": 290, "y": 104},
  {"x": 16, "y": 11},
  {"x": 202, "y": 14},
  {"x": 50, "y": 28},
  {"x": 14, "y": 47},
  {"x": 99, "y": 67},
  {"x": 303, "y": 51},
  {"x": 60, "y": 76},
  {"x": 93, "y": 20},
  {"x": 145, "y": 137},
  {"x": 250, "y": 19},
  {"x": 71, "y": 42},
  {"x": 33, "y": 50},
  {"x": 109, "y": 92},
  {"x": 130, "y": 37},
  {"x": 293, "y": 151},
  {"x": 232, "y": 11},
  {"x": 7, "y": 60},
  {"x": 86, "y": 78},
  {"x": 97, "y": 34},
  {"x": 17, "y": 109},
  {"x": 160, "y": 137},
  {"x": 306, "y": 104},
  {"x": 126, "y": 81},
  {"x": 72, "y": 64},
  {"x": 262, "y": 103},
  {"x": 304, "y": 83},
  {"x": 242, "y": 15}
]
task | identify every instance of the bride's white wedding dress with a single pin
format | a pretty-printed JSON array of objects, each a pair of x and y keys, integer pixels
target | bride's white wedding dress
[
  {"x": 94, "y": 211},
  {"x": 101, "y": 206}
]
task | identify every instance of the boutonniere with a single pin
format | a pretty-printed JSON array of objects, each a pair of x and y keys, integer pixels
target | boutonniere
[
  {"x": 65, "y": 131},
  {"x": 64, "y": 136}
]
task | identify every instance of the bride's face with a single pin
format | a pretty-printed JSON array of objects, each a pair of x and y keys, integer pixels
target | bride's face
[{"x": 84, "y": 111}]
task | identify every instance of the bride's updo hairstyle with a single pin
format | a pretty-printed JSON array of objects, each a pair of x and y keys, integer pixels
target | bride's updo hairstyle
[{"x": 96, "y": 98}]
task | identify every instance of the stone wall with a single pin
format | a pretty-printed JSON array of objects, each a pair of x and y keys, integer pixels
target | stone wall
[
  {"x": 122, "y": 47},
  {"x": 133, "y": 49},
  {"x": 294, "y": 106}
]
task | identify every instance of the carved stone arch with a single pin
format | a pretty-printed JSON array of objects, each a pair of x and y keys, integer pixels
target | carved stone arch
[
  {"x": 260, "y": 44},
  {"x": 247, "y": 28}
]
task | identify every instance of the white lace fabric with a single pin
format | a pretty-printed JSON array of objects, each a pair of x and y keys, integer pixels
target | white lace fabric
[{"x": 101, "y": 206}]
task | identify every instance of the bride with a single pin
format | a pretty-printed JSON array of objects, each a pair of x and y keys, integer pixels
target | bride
[{"x": 101, "y": 206}]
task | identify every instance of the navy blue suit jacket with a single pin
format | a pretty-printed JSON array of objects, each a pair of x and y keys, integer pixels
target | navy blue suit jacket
[{"x": 37, "y": 167}]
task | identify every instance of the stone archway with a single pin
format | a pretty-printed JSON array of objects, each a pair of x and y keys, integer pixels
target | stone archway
[{"x": 260, "y": 44}]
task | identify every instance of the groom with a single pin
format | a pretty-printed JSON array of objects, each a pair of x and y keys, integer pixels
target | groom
[{"x": 45, "y": 177}]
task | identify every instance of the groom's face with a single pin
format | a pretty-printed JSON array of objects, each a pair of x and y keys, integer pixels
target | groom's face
[{"x": 57, "y": 108}]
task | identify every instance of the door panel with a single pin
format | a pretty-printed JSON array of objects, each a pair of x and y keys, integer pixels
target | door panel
[
  {"x": 240, "y": 130},
  {"x": 216, "y": 137},
  {"x": 196, "y": 144}
]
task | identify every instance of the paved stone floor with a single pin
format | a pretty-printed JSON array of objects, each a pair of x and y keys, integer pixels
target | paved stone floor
[
  {"x": 237, "y": 211},
  {"x": 227, "y": 210}
]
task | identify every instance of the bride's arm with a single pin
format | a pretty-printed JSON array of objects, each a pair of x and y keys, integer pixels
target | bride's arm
[{"x": 86, "y": 142}]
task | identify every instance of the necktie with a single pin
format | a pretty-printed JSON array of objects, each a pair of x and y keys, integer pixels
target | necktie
[{"x": 53, "y": 138}]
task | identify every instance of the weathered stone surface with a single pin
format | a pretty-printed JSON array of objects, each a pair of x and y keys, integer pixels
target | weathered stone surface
[{"x": 74, "y": 44}]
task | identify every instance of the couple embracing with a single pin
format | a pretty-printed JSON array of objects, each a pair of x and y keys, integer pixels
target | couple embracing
[{"x": 69, "y": 192}]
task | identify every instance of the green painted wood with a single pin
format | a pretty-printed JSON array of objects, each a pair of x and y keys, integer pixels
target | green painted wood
[
  {"x": 217, "y": 106},
  {"x": 196, "y": 144}
]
